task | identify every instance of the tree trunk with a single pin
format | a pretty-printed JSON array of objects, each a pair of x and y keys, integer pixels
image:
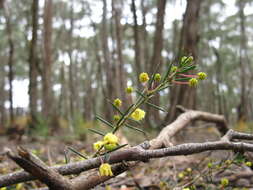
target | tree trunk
[
  {"x": 156, "y": 60},
  {"x": 117, "y": 8},
  {"x": 47, "y": 107},
  {"x": 7, "y": 15},
  {"x": 2, "y": 97},
  {"x": 107, "y": 65},
  {"x": 185, "y": 95},
  {"x": 33, "y": 59},
  {"x": 243, "y": 105},
  {"x": 137, "y": 47}
]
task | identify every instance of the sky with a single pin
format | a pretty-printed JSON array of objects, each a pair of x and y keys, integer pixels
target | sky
[{"x": 20, "y": 87}]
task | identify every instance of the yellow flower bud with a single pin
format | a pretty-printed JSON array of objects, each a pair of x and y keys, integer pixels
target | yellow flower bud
[
  {"x": 110, "y": 138},
  {"x": 105, "y": 170},
  {"x": 201, "y": 75},
  {"x": 189, "y": 170},
  {"x": 138, "y": 114},
  {"x": 116, "y": 117},
  {"x": 117, "y": 102},
  {"x": 157, "y": 77},
  {"x": 193, "y": 82},
  {"x": 143, "y": 77},
  {"x": 181, "y": 175},
  {"x": 129, "y": 90},
  {"x": 98, "y": 145},
  {"x": 3, "y": 188},
  {"x": 224, "y": 182},
  {"x": 249, "y": 164},
  {"x": 174, "y": 69},
  {"x": 209, "y": 165},
  {"x": 19, "y": 186},
  {"x": 110, "y": 146}
]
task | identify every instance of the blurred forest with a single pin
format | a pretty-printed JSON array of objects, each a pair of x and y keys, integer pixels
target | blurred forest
[{"x": 63, "y": 60}]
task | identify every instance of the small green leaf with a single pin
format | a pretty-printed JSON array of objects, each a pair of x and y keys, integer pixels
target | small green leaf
[
  {"x": 167, "y": 73},
  {"x": 78, "y": 153},
  {"x": 104, "y": 121},
  {"x": 115, "y": 107},
  {"x": 182, "y": 79},
  {"x": 164, "y": 87},
  {"x": 156, "y": 107},
  {"x": 135, "y": 128},
  {"x": 188, "y": 68},
  {"x": 140, "y": 93},
  {"x": 97, "y": 132},
  {"x": 118, "y": 147}
]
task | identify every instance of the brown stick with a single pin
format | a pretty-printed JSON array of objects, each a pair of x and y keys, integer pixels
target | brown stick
[{"x": 139, "y": 154}]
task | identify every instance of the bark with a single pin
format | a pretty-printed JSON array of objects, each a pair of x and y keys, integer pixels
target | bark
[
  {"x": 33, "y": 59},
  {"x": 144, "y": 34},
  {"x": 7, "y": 15},
  {"x": 156, "y": 60},
  {"x": 107, "y": 64},
  {"x": 121, "y": 77},
  {"x": 63, "y": 107},
  {"x": 137, "y": 45},
  {"x": 72, "y": 88},
  {"x": 47, "y": 94},
  {"x": 2, "y": 97},
  {"x": 243, "y": 105},
  {"x": 140, "y": 152},
  {"x": 185, "y": 95}
]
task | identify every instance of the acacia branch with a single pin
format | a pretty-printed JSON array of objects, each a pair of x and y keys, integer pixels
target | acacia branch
[{"x": 140, "y": 152}]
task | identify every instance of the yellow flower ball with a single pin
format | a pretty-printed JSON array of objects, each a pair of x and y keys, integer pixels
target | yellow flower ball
[
  {"x": 117, "y": 102},
  {"x": 181, "y": 175},
  {"x": 98, "y": 145},
  {"x": 201, "y": 75},
  {"x": 105, "y": 170},
  {"x": 116, "y": 117},
  {"x": 110, "y": 138},
  {"x": 193, "y": 82},
  {"x": 143, "y": 77},
  {"x": 129, "y": 90},
  {"x": 110, "y": 146},
  {"x": 157, "y": 77},
  {"x": 249, "y": 164},
  {"x": 174, "y": 69},
  {"x": 138, "y": 114},
  {"x": 19, "y": 186},
  {"x": 224, "y": 182}
]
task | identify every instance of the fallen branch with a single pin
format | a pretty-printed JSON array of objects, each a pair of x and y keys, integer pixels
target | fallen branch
[{"x": 141, "y": 152}]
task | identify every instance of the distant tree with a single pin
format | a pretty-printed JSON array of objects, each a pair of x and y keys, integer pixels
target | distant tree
[
  {"x": 33, "y": 63},
  {"x": 7, "y": 15},
  {"x": 184, "y": 95},
  {"x": 47, "y": 94}
]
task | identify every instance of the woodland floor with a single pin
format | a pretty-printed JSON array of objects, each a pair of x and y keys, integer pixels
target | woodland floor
[{"x": 164, "y": 173}]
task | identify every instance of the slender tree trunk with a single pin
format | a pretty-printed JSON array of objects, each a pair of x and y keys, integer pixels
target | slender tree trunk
[
  {"x": 107, "y": 65},
  {"x": 242, "y": 107},
  {"x": 47, "y": 107},
  {"x": 7, "y": 15},
  {"x": 72, "y": 89},
  {"x": 156, "y": 60},
  {"x": 144, "y": 34},
  {"x": 33, "y": 59},
  {"x": 63, "y": 107},
  {"x": 137, "y": 47},
  {"x": 185, "y": 95},
  {"x": 2, "y": 97},
  {"x": 117, "y": 8}
]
